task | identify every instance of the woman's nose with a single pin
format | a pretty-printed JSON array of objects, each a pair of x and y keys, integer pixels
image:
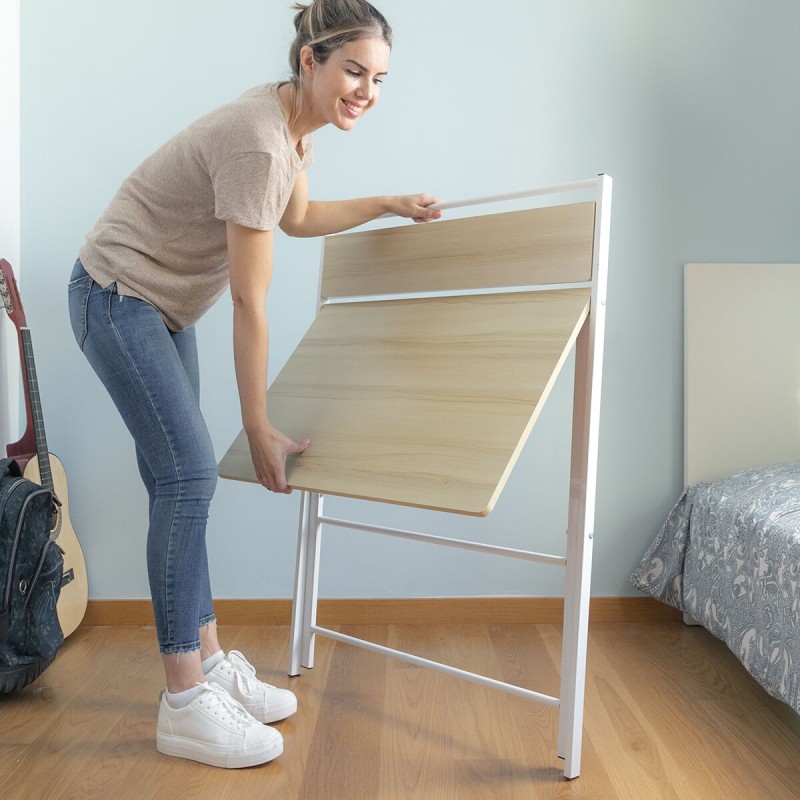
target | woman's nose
[{"x": 366, "y": 89}]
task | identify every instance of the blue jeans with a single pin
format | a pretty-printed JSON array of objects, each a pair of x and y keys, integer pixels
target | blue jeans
[{"x": 153, "y": 378}]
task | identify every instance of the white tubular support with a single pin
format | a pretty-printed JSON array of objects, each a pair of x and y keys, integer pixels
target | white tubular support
[
  {"x": 577, "y": 593},
  {"x": 311, "y": 583},
  {"x": 583, "y": 485},
  {"x": 296, "y": 631},
  {"x": 508, "y": 552},
  {"x": 528, "y": 694},
  {"x": 502, "y": 198}
]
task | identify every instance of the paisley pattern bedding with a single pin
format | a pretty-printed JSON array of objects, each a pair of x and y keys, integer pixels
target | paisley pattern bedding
[{"x": 729, "y": 556}]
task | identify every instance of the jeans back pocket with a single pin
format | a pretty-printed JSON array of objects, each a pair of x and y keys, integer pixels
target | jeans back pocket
[{"x": 78, "y": 293}]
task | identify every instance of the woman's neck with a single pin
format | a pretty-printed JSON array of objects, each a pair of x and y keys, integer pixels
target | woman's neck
[{"x": 297, "y": 114}]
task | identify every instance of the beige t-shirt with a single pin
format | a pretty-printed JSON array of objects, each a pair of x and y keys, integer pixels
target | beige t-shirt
[{"x": 163, "y": 236}]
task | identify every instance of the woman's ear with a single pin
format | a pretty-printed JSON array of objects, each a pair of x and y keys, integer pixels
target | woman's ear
[{"x": 307, "y": 62}]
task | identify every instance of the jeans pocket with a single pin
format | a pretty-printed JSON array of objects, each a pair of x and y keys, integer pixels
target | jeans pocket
[{"x": 78, "y": 294}]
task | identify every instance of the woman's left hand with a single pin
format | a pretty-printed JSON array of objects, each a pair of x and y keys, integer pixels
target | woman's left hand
[
  {"x": 415, "y": 206},
  {"x": 269, "y": 449}
]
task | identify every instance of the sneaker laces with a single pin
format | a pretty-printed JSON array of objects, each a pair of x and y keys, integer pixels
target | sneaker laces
[
  {"x": 221, "y": 704},
  {"x": 245, "y": 673}
]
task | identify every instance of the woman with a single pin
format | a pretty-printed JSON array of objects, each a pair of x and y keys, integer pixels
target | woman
[{"x": 196, "y": 216}]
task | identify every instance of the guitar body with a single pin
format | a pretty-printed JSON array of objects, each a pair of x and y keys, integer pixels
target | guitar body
[{"x": 75, "y": 587}]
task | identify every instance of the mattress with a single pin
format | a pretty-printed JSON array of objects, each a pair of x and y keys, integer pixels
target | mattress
[{"x": 728, "y": 555}]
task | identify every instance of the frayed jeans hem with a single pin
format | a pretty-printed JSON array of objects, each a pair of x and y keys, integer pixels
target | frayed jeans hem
[{"x": 179, "y": 649}]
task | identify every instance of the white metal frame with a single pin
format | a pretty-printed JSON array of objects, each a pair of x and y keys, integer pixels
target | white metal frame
[{"x": 580, "y": 528}]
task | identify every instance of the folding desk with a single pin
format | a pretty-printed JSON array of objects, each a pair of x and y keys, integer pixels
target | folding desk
[{"x": 431, "y": 357}]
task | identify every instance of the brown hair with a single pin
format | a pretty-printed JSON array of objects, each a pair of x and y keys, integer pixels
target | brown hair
[{"x": 326, "y": 25}]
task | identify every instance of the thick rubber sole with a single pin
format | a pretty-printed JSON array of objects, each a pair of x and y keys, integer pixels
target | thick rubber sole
[{"x": 216, "y": 756}]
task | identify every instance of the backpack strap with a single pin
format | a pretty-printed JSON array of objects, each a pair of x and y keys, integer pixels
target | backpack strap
[{"x": 8, "y": 466}]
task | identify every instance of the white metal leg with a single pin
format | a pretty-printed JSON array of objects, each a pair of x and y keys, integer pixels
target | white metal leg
[
  {"x": 573, "y": 676},
  {"x": 579, "y": 563},
  {"x": 568, "y": 656},
  {"x": 570, "y": 713},
  {"x": 311, "y": 583},
  {"x": 582, "y": 494},
  {"x": 296, "y": 632}
]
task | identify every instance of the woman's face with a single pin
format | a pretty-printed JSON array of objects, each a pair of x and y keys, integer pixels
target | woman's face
[{"x": 349, "y": 82}]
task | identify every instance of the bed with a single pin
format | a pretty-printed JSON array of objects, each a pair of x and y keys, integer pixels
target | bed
[{"x": 728, "y": 554}]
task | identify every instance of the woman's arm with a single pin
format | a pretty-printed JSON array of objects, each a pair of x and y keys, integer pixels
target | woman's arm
[
  {"x": 311, "y": 218},
  {"x": 250, "y": 260}
]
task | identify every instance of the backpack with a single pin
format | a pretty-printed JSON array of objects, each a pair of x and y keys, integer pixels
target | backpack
[{"x": 31, "y": 566}]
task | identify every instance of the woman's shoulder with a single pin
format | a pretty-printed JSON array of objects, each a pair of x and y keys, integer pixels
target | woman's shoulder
[
  {"x": 253, "y": 122},
  {"x": 263, "y": 97}
]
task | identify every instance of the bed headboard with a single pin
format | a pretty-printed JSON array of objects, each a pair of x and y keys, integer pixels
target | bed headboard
[{"x": 742, "y": 368}]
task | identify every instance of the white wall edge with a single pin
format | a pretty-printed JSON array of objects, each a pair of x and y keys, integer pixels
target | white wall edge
[{"x": 9, "y": 209}]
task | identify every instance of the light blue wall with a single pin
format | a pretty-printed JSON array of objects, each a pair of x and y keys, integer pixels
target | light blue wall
[{"x": 690, "y": 106}]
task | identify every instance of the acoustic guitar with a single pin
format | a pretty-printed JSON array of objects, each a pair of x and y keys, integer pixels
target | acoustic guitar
[{"x": 43, "y": 468}]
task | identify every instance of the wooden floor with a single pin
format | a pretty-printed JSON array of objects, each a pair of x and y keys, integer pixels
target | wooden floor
[{"x": 670, "y": 714}]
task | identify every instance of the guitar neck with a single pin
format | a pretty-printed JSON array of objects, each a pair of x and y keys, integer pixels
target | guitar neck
[{"x": 35, "y": 408}]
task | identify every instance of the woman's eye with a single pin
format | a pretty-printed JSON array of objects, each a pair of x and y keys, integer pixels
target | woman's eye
[{"x": 353, "y": 73}]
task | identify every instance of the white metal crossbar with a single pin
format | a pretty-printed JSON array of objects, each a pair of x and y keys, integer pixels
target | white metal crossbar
[
  {"x": 510, "y": 688},
  {"x": 542, "y": 191},
  {"x": 508, "y": 552}
]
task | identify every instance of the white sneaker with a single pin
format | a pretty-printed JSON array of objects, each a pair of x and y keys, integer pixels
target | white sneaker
[
  {"x": 214, "y": 729},
  {"x": 237, "y": 676}
]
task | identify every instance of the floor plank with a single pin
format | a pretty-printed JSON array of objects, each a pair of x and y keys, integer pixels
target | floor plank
[{"x": 670, "y": 713}]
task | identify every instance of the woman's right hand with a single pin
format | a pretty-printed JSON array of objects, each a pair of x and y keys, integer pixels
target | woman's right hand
[
  {"x": 416, "y": 207},
  {"x": 269, "y": 449}
]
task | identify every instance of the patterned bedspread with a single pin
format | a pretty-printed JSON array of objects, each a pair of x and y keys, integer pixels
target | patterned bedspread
[{"x": 729, "y": 555}]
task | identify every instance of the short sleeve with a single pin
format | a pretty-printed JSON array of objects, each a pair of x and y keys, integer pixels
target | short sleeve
[{"x": 247, "y": 191}]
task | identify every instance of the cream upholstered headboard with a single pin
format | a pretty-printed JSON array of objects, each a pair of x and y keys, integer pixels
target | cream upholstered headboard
[{"x": 742, "y": 368}]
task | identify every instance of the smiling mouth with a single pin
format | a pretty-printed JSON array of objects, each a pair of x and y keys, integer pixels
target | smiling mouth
[{"x": 353, "y": 108}]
